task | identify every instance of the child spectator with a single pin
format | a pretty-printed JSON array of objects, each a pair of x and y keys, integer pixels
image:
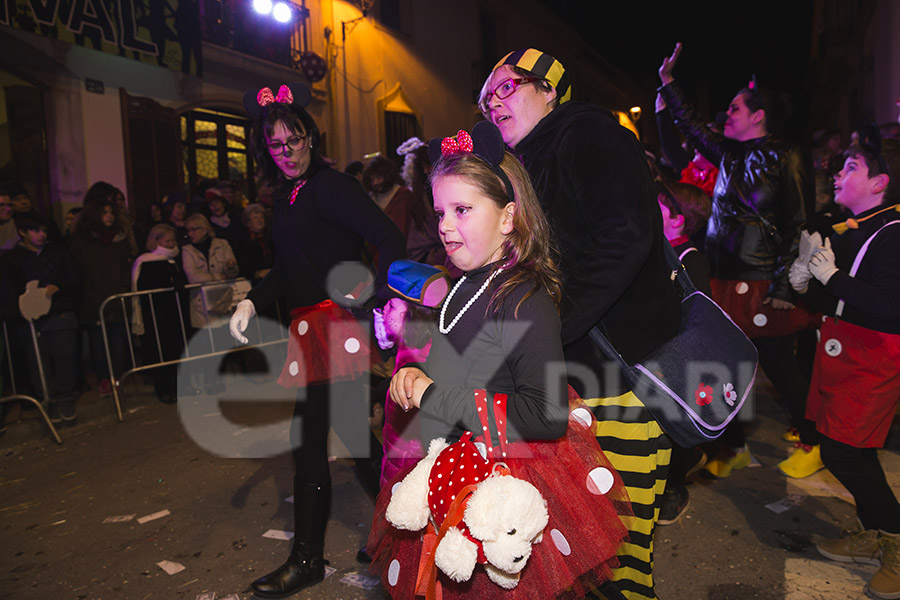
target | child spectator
[
  {"x": 854, "y": 278},
  {"x": 57, "y": 274},
  {"x": 102, "y": 247},
  {"x": 685, "y": 210}
]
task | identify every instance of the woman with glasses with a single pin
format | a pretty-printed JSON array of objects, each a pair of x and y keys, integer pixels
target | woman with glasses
[
  {"x": 592, "y": 180},
  {"x": 321, "y": 219}
]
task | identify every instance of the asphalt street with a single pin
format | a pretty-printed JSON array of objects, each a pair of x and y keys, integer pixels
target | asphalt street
[{"x": 142, "y": 510}]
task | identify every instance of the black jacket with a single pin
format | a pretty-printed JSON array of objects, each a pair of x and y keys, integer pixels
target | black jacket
[
  {"x": 593, "y": 182},
  {"x": 759, "y": 200},
  {"x": 327, "y": 224},
  {"x": 54, "y": 264}
]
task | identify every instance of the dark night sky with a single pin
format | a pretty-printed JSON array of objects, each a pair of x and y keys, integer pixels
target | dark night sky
[{"x": 725, "y": 43}]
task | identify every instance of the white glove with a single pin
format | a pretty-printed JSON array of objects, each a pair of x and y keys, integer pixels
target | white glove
[
  {"x": 821, "y": 265},
  {"x": 808, "y": 246},
  {"x": 243, "y": 312},
  {"x": 799, "y": 276}
]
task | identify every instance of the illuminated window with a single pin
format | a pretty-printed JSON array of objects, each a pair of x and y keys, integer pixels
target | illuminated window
[{"x": 216, "y": 147}]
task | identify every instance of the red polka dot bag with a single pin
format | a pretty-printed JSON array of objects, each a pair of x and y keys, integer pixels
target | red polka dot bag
[{"x": 477, "y": 496}]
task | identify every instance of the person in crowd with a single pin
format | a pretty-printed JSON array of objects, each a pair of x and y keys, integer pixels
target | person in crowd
[
  {"x": 255, "y": 244},
  {"x": 102, "y": 248},
  {"x": 207, "y": 259},
  {"x": 854, "y": 278},
  {"x": 9, "y": 237},
  {"x": 685, "y": 209},
  {"x": 592, "y": 180},
  {"x": 58, "y": 278},
  {"x": 355, "y": 169},
  {"x": 175, "y": 212},
  {"x": 765, "y": 187},
  {"x": 222, "y": 217},
  {"x": 22, "y": 204},
  {"x": 382, "y": 181},
  {"x": 423, "y": 244},
  {"x": 322, "y": 218},
  {"x": 156, "y": 317},
  {"x": 495, "y": 232},
  {"x": 71, "y": 223}
]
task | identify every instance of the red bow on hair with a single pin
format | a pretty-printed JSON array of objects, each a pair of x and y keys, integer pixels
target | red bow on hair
[
  {"x": 265, "y": 96},
  {"x": 461, "y": 143}
]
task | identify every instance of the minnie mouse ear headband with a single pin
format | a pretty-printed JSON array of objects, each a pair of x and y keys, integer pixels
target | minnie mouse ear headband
[
  {"x": 542, "y": 65},
  {"x": 485, "y": 143},
  {"x": 419, "y": 283},
  {"x": 293, "y": 94}
]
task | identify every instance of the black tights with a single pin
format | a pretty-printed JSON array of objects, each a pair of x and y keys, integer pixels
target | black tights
[{"x": 859, "y": 470}]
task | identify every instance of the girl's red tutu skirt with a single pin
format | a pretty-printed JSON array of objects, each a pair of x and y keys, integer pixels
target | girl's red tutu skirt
[
  {"x": 586, "y": 501},
  {"x": 326, "y": 343}
]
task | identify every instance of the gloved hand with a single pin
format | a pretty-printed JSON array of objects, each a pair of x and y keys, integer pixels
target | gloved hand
[
  {"x": 808, "y": 246},
  {"x": 243, "y": 312},
  {"x": 821, "y": 265},
  {"x": 799, "y": 276}
]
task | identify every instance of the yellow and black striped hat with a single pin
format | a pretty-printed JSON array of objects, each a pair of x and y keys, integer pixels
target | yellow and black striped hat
[{"x": 542, "y": 65}]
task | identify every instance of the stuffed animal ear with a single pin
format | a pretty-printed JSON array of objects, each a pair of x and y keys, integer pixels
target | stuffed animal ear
[
  {"x": 487, "y": 142},
  {"x": 456, "y": 555}
]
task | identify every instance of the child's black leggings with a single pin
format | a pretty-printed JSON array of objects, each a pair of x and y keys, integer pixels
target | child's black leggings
[{"x": 861, "y": 473}]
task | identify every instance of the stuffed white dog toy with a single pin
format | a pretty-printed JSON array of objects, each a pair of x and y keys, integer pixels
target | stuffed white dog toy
[{"x": 503, "y": 517}]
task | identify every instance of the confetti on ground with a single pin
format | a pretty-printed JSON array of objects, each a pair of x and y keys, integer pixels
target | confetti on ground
[
  {"x": 154, "y": 516},
  {"x": 786, "y": 504},
  {"x": 206, "y": 596},
  {"x": 329, "y": 571},
  {"x": 119, "y": 518},
  {"x": 170, "y": 567},
  {"x": 289, "y": 499},
  {"x": 278, "y": 534},
  {"x": 361, "y": 581}
]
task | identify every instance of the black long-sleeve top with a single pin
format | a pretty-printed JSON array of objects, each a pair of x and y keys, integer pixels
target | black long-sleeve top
[
  {"x": 521, "y": 357},
  {"x": 872, "y": 298},
  {"x": 764, "y": 188},
  {"x": 54, "y": 264},
  {"x": 328, "y": 222}
]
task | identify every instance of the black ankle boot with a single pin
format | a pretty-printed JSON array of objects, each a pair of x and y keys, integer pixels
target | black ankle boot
[{"x": 305, "y": 565}]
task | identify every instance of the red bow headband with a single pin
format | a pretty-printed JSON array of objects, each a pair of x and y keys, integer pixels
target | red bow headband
[
  {"x": 265, "y": 97},
  {"x": 485, "y": 143},
  {"x": 295, "y": 95}
]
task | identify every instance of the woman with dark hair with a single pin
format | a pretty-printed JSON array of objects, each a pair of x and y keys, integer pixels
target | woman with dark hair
[
  {"x": 255, "y": 244},
  {"x": 102, "y": 247},
  {"x": 321, "y": 218},
  {"x": 382, "y": 180}
]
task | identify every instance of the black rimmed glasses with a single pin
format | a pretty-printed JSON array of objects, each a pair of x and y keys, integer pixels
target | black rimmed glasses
[
  {"x": 506, "y": 89},
  {"x": 295, "y": 142}
]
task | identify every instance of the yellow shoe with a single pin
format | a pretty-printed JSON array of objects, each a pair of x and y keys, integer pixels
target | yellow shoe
[
  {"x": 725, "y": 462},
  {"x": 805, "y": 461},
  {"x": 791, "y": 435}
]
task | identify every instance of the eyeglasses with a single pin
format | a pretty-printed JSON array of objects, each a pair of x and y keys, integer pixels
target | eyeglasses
[
  {"x": 297, "y": 142},
  {"x": 505, "y": 90}
]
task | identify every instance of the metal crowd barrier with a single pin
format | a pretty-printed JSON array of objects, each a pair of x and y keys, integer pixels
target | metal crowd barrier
[
  {"x": 240, "y": 287},
  {"x": 12, "y": 379}
]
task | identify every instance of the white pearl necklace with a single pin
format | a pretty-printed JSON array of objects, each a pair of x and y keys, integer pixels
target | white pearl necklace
[{"x": 487, "y": 282}]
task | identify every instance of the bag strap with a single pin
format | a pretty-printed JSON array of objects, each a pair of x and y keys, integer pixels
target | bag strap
[
  {"x": 679, "y": 274},
  {"x": 499, "y": 408},
  {"x": 858, "y": 261}
]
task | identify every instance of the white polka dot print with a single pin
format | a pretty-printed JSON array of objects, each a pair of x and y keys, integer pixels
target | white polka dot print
[
  {"x": 293, "y": 368},
  {"x": 742, "y": 288},
  {"x": 599, "y": 481},
  {"x": 394, "y": 572},
  {"x": 760, "y": 320},
  {"x": 302, "y": 327},
  {"x": 582, "y": 415},
  {"x": 560, "y": 541},
  {"x": 352, "y": 345}
]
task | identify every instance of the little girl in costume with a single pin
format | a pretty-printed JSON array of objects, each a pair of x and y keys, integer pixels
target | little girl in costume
[{"x": 499, "y": 336}]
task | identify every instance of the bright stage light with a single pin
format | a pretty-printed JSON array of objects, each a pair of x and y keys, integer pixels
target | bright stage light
[
  {"x": 282, "y": 12},
  {"x": 263, "y": 7}
]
